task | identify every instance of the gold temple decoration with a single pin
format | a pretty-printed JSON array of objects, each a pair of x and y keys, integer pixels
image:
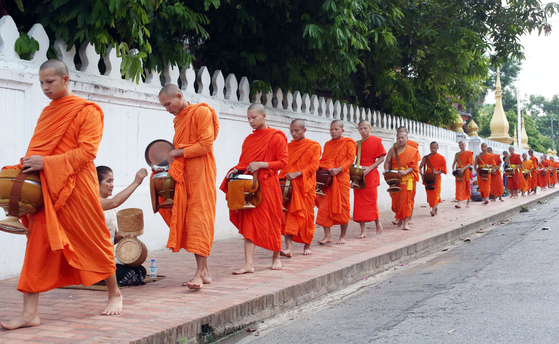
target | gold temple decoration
[
  {"x": 549, "y": 152},
  {"x": 554, "y": 152},
  {"x": 499, "y": 124},
  {"x": 515, "y": 140},
  {"x": 524, "y": 139},
  {"x": 472, "y": 128},
  {"x": 458, "y": 124}
]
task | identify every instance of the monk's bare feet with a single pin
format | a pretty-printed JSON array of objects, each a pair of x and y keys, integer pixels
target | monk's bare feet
[
  {"x": 341, "y": 241},
  {"x": 432, "y": 213},
  {"x": 406, "y": 228},
  {"x": 286, "y": 253},
  {"x": 307, "y": 250},
  {"x": 457, "y": 206},
  {"x": 485, "y": 202},
  {"x": 379, "y": 228},
  {"x": 246, "y": 269},
  {"x": 326, "y": 240},
  {"x": 22, "y": 320},
  {"x": 395, "y": 223},
  {"x": 361, "y": 235},
  {"x": 114, "y": 305},
  {"x": 467, "y": 206},
  {"x": 276, "y": 264}
]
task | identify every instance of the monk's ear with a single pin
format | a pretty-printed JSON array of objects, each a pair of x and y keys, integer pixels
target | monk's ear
[
  {"x": 304, "y": 130},
  {"x": 66, "y": 79}
]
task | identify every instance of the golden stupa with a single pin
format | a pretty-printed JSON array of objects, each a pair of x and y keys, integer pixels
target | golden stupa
[
  {"x": 472, "y": 128},
  {"x": 499, "y": 124},
  {"x": 549, "y": 152},
  {"x": 515, "y": 140},
  {"x": 524, "y": 139}
]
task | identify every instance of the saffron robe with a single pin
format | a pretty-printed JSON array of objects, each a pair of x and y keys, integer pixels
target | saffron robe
[
  {"x": 535, "y": 179},
  {"x": 439, "y": 164},
  {"x": 304, "y": 156},
  {"x": 463, "y": 190},
  {"x": 69, "y": 242},
  {"x": 553, "y": 174},
  {"x": 514, "y": 182},
  {"x": 365, "y": 208},
  {"x": 528, "y": 165},
  {"x": 485, "y": 185},
  {"x": 542, "y": 178},
  {"x": 548, "y": 172},
  {"x": 192, "y": 218},
  {"x": 402, "y": 200},
  {"x": 334, "y": 208},
  {"x": 415, "y": 145},
  {"x": 497, "y": 186},
  {"x": 262, "y": 225}
]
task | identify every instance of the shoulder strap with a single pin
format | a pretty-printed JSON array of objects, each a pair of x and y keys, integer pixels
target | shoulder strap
[
  {"x": 358, "y": 162},
  {"x": 395, "y": 147},
  {"x": 429, "y": 163},
  {"x": 457, "y": 157},
  {"x": 479, "y": 158}
]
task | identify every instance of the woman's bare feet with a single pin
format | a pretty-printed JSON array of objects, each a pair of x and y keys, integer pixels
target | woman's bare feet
[
  {"x": 307, "y": 250},
  {"x": 246, "y": 269},
  {"x": 22, "y": 320},
  {"x": 114, "y": 305}
]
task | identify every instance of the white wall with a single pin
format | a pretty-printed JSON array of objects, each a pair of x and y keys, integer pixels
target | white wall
[{"x": 134, "y": 118}]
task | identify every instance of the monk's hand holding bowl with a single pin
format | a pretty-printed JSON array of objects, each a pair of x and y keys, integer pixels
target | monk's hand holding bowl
[
  {"x": 233, "y": 171},
  {"x": 256, "y": 165},
  {"x": 402, "y": 173},
  {"x": 293, "y": 175},
  {"x": 335, "y": 171},
  {"x": 32, "y": 163},
  {"x": 367, "y": 170}
]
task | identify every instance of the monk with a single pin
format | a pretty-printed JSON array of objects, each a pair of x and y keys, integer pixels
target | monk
[
  {"x": 370, "y": 154},
  {"x": 408, "y": 158},
  {"x": 484, "y": 160},
  {"x": 264, "y": 152},
  {"x": 436, "y": 163},
  {"x": 514, "y": 161},
  {"x": 337, "y": 158},
  {"x": 553, "y": 173},
  {"x": 542, "y": 172},
  {"x": 535, "y": 179},
  {"x": 415, "y": 145},
  {"x": 192, "y": 166},
  {"x": 497, "y": 188},
  {"x": 528, "y": 167},
  {"x": 69, "y": 243},
  {"x": 462, "y": 162},
  {"x": 304, "y": 157}
]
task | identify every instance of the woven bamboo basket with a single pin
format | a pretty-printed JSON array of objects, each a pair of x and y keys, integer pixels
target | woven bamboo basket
[
  {"x": 130, "y": 222},
  {"x": 131, "y": 252}
]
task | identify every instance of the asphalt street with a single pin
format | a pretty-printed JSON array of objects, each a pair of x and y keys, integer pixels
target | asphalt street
[{"x": 501, "y": 286}]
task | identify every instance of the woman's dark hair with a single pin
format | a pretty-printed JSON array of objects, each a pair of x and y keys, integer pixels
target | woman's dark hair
[{"x": 102, "y": 171}]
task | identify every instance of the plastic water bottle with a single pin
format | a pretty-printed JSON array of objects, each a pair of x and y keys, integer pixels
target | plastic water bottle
[{"x": 153, "y": 269}]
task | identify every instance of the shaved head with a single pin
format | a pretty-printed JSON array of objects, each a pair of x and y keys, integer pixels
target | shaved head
[
  {"x": 338, "y": 122},
  {"x": 402, "y": 128},
  {"x": 170, "y": 90},
  {"x": 364, "y": 122},
  {"x": 59, "y": 67},
  {"x": 299, "y": 123},
  {"x": 490, "y": 150},
  {"x": 258, "y": 108},
  {"x": 434, "y": 143}
]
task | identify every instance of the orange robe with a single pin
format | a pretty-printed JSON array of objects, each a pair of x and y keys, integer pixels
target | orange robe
[
  {"x": 439, "y": 164},
  {"x": 192, "y": 218},
  {"x": 548, "y": 172},
  {"x": 415, "y": 145},
  {"x": 402, "y": 200},
  {"x": 535, "y": 179},
  {"x": 365, "y": 208},
  {"x": 528, "y": 165},
  {"x": 485, "y": 185},
  {"x": 262, "y": 225},
  {"x": 497, "y": 186},
  {"x": 334, "y": 208},
  {"x": 514, "y": 182},
  {"x": 69, "y": 241},
  {"x": 542, "y": 178},
  {"x": 463, "y": 190},
  {"x": 553, "y": 175},
  {"x": 304, "y": 156}
]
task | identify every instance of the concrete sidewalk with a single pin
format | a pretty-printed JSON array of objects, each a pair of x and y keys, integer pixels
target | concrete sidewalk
[{"x": 166, "y": 312}]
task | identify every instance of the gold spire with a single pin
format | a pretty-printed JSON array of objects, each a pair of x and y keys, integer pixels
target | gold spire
[
  {"x": 499, "y": 123},
  {"x": 515, "y": 140},
  {"x": 472, "y": 128},
  {"x": 549, "y": 151},
  {"x": 458, "y": 124},
  {"x": 524, "y": 139}
]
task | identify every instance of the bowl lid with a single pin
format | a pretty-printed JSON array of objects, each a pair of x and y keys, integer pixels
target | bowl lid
[
  {"x": 241, "y": 176},
  {"x": 157, "y": 153}
]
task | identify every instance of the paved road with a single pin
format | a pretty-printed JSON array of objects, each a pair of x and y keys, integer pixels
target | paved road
[{"x": 502, "y": 287}]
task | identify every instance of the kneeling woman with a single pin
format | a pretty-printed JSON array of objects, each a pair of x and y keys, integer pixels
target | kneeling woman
[{"x": 125, "y": 275}]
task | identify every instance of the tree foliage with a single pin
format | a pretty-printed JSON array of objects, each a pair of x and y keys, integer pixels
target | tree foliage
[{"x": 410, "y": 58}]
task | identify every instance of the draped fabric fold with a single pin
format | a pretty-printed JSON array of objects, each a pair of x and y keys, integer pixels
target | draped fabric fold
[
  {"x": 497, "y": 186},
  {"x": 191, "y": 220},
  {"x": 402, "y": 201},
  {"x": 439, "y": 164},
  {"x": 535, "y": 179},
  {"x": 485, "y": 185},
  {"x": 69, "y": 241},
  {"x": 304, "y": 156},
  {"x": 463, "y": 191},
  {"x": 262, "y": 225},
  {"x": 334, "y": 208}
]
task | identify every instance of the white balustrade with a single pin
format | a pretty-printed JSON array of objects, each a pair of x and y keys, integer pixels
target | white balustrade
[{"x": 218, "y": 85}]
